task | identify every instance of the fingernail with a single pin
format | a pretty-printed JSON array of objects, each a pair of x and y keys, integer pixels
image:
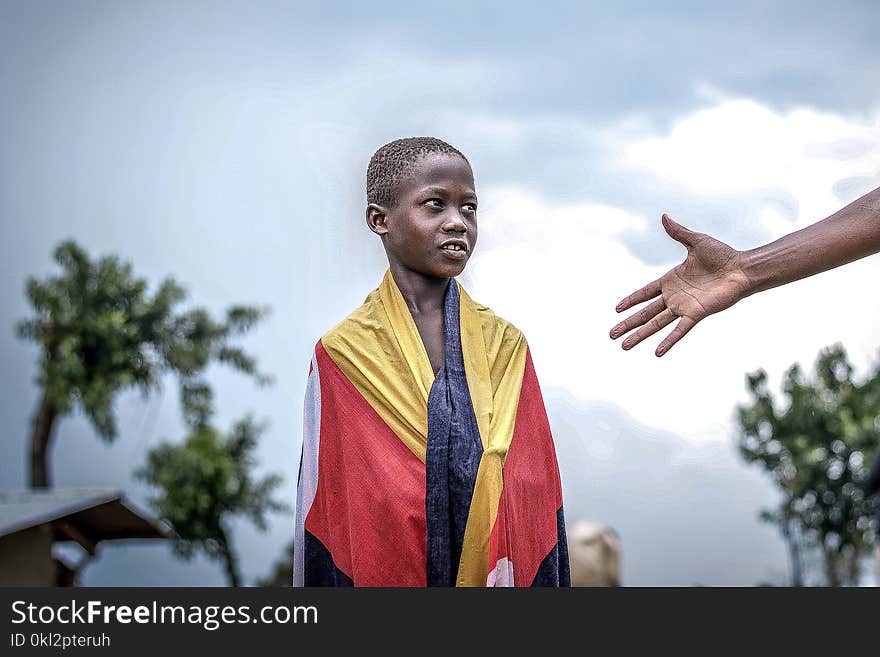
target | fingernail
[
  {"x": 615, "y": 332},
  {"x": 619, "y": 307},
  {"x": 660, "y": 351}
]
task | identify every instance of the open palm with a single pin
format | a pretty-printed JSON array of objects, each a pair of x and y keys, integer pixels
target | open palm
[{"x": 709, "y": 280}]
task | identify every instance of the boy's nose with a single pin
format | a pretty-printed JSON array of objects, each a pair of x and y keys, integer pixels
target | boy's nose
[{"x": 454, "y": 221}]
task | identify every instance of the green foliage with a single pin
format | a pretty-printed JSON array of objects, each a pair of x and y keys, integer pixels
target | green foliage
[
  {"x": 100, "y": 332},
  {"x": 206, "y": 481},
  {"x": 282, "y": 571},
  {"x": 818, "y": 448}
]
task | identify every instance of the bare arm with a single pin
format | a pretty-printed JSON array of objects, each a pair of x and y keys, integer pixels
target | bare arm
[
  {"x": 847, "y": 235},
  {"x": 715, "y": 276}
]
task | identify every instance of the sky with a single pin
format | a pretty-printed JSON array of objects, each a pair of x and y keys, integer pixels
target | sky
[{"x": 225, "y": 144}]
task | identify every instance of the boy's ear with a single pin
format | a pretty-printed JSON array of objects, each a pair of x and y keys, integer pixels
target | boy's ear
[{"x": 376, "y": 219}]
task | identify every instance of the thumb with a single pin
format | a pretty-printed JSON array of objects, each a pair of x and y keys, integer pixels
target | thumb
[{"x": 678, "y": 232}]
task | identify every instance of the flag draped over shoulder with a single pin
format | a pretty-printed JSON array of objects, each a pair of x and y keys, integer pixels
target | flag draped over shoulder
[{"x": 408, "y": 479}]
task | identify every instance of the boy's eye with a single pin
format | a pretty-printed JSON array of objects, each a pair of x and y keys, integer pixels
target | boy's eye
[
  {"x": 470, "y": 207},
  {"x": 434, "y": 202}
]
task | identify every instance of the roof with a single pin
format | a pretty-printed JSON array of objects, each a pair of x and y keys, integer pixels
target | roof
[{"x": 84, "y": 515}]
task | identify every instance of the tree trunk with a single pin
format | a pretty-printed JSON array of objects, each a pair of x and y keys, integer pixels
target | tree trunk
[
  {"x": 230, "y": 561},
  {"x": 792, "y": 539},
  {"x": 41, "y": 438},
  {"x": 831, "y": 566},
  {"x": 854, "y": 567}
]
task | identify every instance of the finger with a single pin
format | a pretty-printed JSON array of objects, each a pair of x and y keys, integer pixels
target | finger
[
  {"x": 637, "y": 319},
  {"x": 678, "y": 232},
  {"x": 676, "y": 334},
  {"x": 650, "y": 291},
  {"x": 663, "y": 319}
]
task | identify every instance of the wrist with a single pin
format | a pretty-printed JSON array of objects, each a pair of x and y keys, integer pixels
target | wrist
[{"x": 755, "y": 271}]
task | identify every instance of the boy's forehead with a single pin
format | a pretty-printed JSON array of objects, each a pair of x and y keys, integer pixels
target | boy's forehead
[{"x": 437, "y": 168}]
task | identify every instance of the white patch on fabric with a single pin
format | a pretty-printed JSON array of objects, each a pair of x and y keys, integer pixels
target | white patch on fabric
[
  {"x": 502, "y": 575},
  {"x": 308, "y": 480}
]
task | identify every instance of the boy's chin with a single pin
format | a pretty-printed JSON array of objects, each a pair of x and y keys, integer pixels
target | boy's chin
[
  {"x": 442, "y": 267},
  {"x": 449, "y": 270},
  {"x": 435, "y": 267}
]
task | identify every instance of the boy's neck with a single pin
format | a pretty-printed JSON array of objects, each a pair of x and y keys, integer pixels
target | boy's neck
[{"x": 423, "y": 294}]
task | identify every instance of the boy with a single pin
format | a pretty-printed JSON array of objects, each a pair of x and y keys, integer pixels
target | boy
[{"x": 427, "y": 455}]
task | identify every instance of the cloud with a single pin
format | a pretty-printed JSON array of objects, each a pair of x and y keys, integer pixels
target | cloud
[
  {"x": 558, "y": 269},
  {"x": 654, "y": 488},
  {"x": 741, "y": 148}
]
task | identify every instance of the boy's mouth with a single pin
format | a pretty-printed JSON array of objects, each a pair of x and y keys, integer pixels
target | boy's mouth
[{"x": 457, "y": 249}]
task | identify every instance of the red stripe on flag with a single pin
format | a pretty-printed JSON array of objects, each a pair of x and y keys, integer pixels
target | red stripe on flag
[
  {"x": 369, "y": 510},
  {"x": 525, "y": 530}
]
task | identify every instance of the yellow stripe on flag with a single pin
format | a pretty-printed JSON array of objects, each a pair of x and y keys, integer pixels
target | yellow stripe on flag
[{"x": 379, "y": 350}]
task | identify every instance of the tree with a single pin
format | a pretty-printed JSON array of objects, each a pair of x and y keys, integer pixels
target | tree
[
  {"x": 205, "y": 482},
  {"x": 282, "y": 571},
  {"x": 100, "y": 332},
  {"x": 817, "y": 447}
]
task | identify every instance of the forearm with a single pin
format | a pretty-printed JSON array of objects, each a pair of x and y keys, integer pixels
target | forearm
[{"x": 849, "y": 234}]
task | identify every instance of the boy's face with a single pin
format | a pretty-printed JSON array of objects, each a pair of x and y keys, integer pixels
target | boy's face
[{"x": 431, "y": 228}]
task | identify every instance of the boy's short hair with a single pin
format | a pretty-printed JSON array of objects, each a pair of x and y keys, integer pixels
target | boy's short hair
[{"x": 393, "y": 161}]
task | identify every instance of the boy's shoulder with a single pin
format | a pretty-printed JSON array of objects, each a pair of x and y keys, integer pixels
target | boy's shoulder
[
  {"x": 494, "y": 327},
  {"x": 367, "y": 316}
]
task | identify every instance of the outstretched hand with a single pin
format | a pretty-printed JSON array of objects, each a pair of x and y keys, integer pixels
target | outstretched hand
[{"x": 709, "y": 280}]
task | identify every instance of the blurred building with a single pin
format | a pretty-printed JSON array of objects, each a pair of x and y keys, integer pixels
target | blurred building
[
  {"x": 594, "y": 551},
  {"x": 34, "y": 522}
]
